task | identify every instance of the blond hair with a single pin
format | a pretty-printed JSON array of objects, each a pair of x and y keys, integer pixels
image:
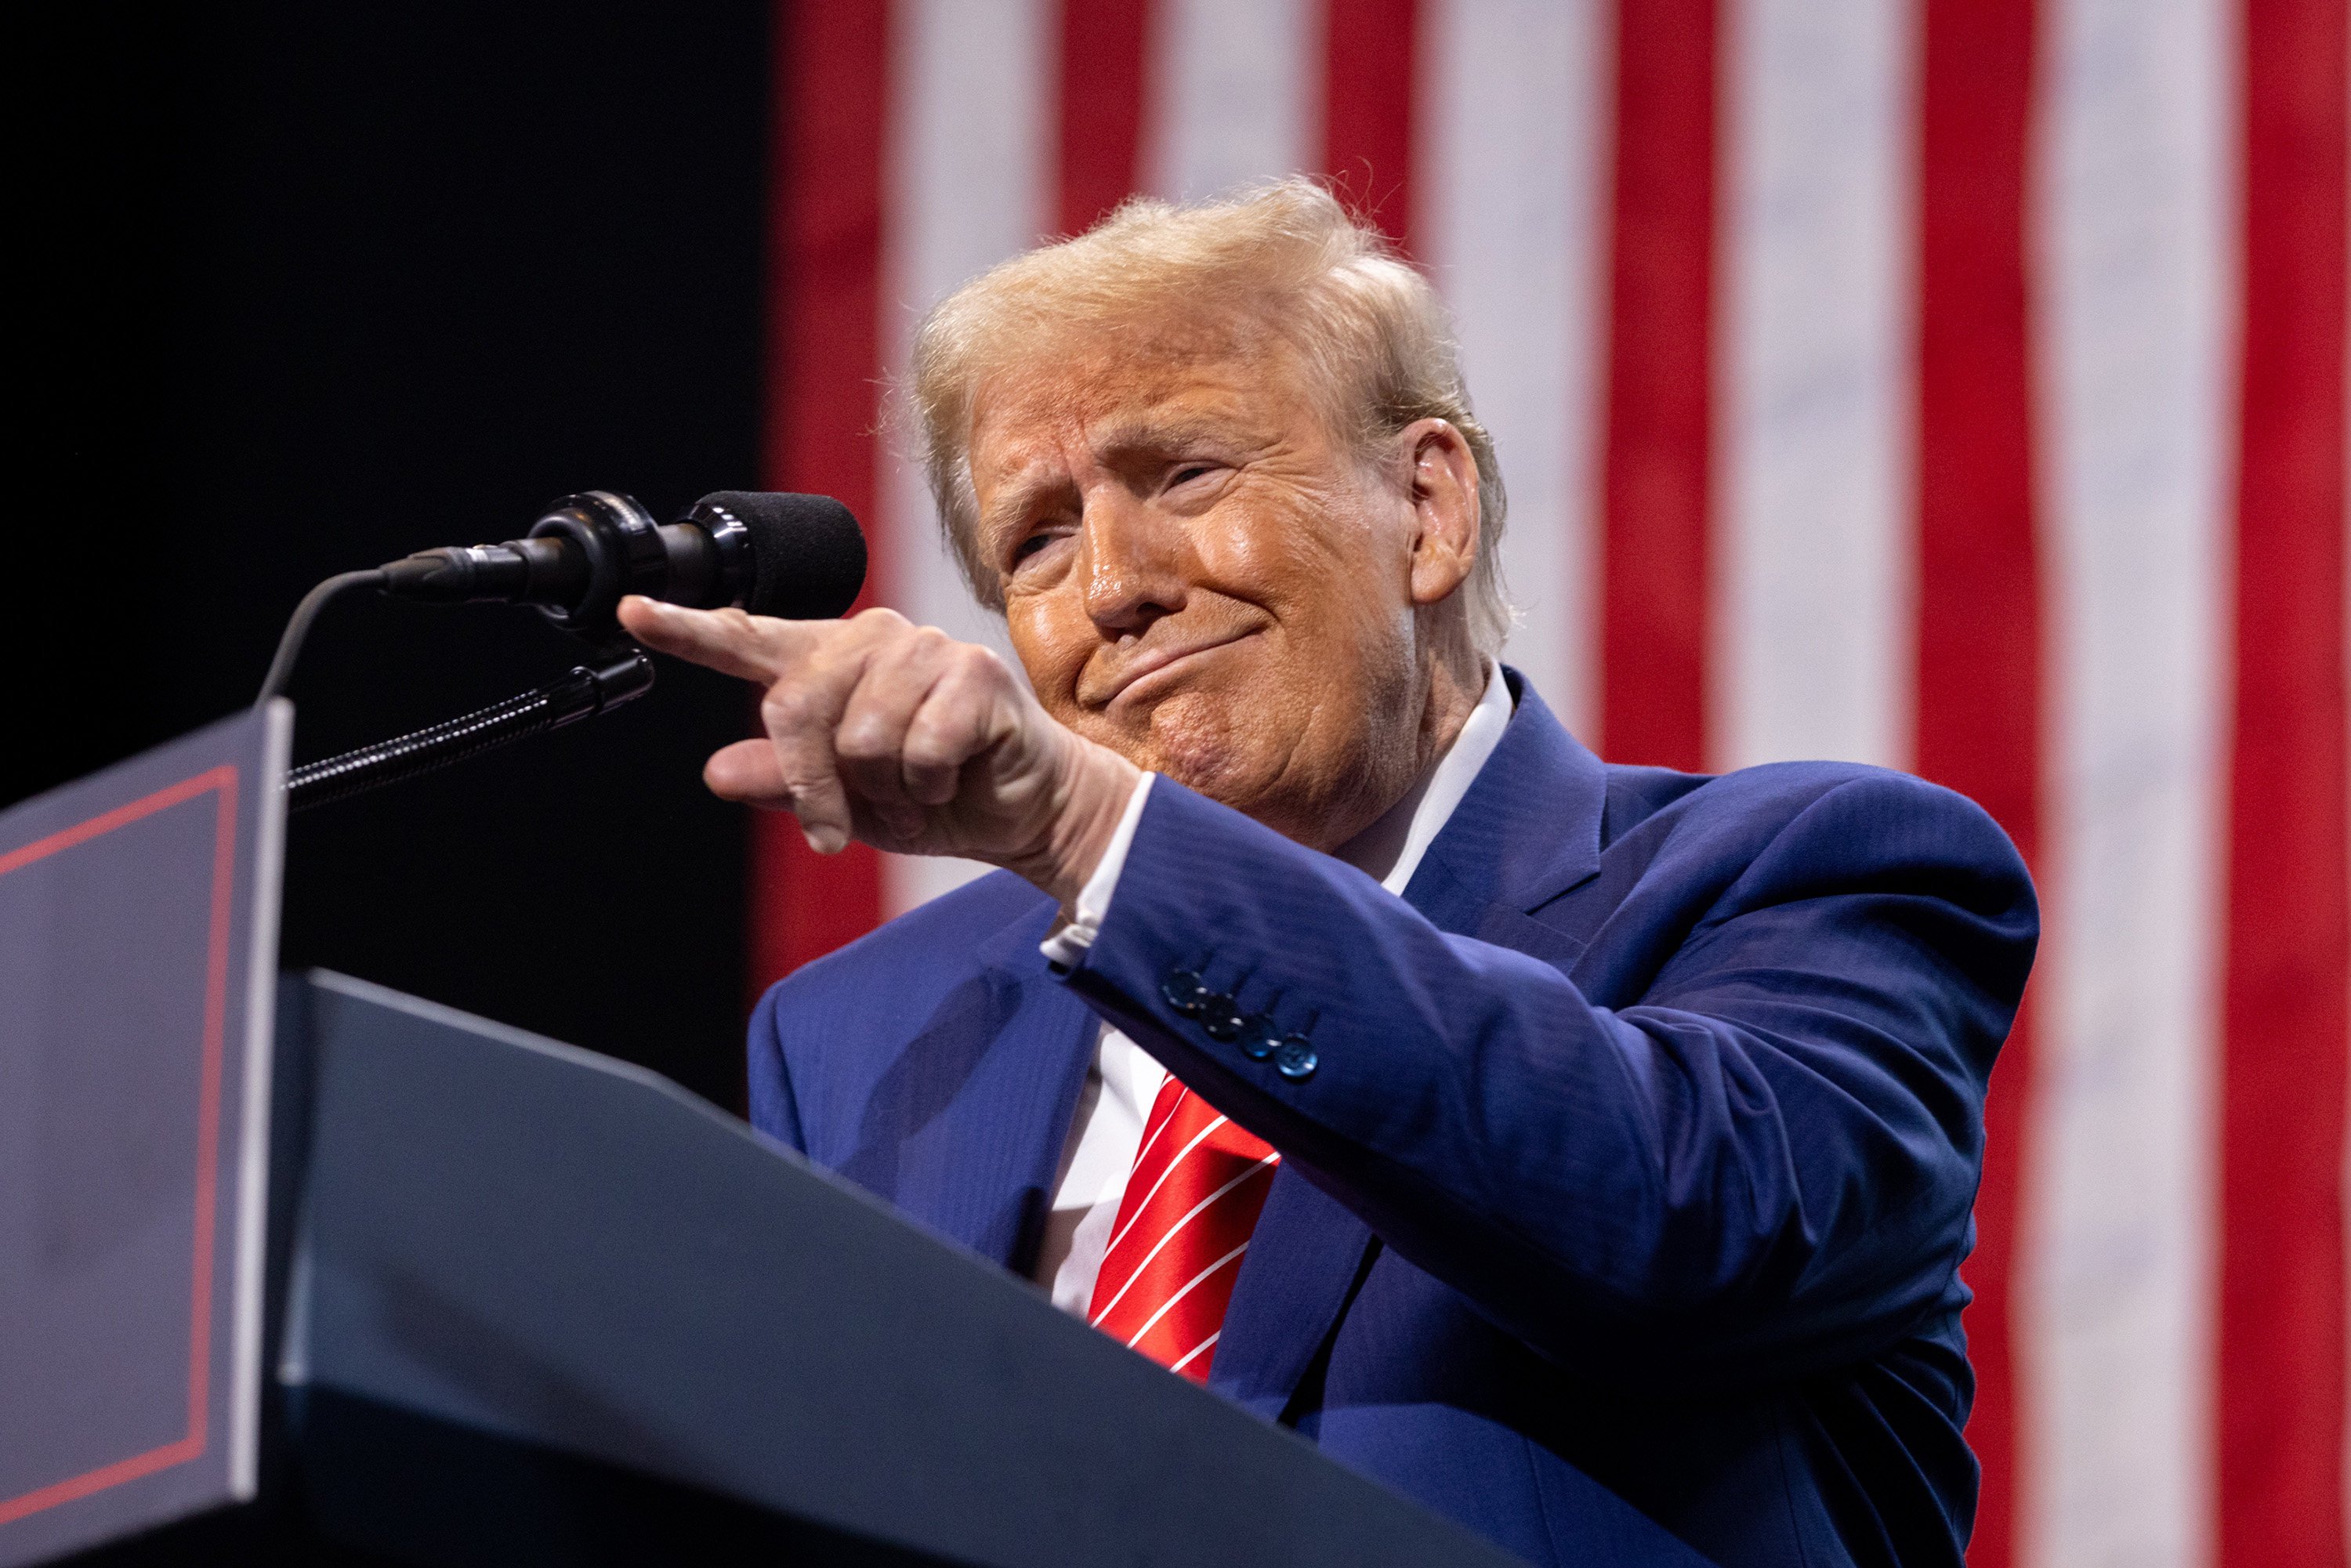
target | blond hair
[{"x": 1370, "y": 332}]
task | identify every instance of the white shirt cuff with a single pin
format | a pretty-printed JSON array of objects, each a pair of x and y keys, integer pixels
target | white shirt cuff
[{"x": 1068, "y": 945}]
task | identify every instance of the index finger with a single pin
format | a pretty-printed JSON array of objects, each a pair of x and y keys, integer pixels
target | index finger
[{"x": 755, "y": 648}]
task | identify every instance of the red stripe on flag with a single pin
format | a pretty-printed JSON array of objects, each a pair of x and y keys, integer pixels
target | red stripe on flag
[
  {"x": 1654, "y": 535},
  {"x": 823, "y": 360},
  {"x": 1367, "y": 108},
  {"x": 1101, "y": 86},
  {"x": 1979, "y": 605},
  {"x": 2289, "y": 934}
]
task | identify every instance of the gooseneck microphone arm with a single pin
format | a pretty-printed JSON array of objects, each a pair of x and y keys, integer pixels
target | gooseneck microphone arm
[
  {"x": 587, "y": 691},
  {"x": 801, "y": 557}
]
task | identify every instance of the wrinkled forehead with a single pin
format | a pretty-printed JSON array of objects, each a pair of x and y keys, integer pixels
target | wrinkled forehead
[{"x": 1082, "y": 387}]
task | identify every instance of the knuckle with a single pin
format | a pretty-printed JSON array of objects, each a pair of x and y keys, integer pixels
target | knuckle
[
  {"x": 932, "y": 771},
  {"x": 737, "y": 626},
  {"x": 940, "y": 741},
  {"x": 861, "y": 741},
  {"x": 979, "y": 662},
  {"x": 786, "y": 705},
  {"x": 924, "y": 749}
]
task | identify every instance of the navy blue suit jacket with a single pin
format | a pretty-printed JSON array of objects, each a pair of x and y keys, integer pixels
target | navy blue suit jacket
[{"x": 1621, "y": 1213}]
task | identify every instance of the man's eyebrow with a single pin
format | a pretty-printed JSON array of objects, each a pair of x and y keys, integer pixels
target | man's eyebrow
[
  {"x": 1113, "y": 440},
  {"x": 1134, "y": 436},
  {"x": 1018, "y": 497}
]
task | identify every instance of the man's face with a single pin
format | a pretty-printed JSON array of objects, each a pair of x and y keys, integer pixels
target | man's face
[{"x": 1201, "y": 575}]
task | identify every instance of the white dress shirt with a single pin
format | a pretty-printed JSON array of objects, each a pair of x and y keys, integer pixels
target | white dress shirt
[{"x": 1125, "y": 1079}]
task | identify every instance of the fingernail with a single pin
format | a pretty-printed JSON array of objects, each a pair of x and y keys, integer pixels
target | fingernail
[{"x": 824, "y": 840}]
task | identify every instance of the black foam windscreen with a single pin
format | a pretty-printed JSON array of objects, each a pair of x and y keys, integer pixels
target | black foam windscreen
[{"x": 808, "y": 553}]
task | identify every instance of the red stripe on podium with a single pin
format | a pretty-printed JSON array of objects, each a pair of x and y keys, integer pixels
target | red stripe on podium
[{"x": 221, "y": 782}]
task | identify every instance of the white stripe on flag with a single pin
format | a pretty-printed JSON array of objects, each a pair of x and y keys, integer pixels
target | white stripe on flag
[
  {"x": 2136, "y": 208},
  {"x": 969, "y": 138},
  {"x": 1509, "y": 175},
  {"x": 1812, "y": 650},
  {"x": 1232, "y": 93}
]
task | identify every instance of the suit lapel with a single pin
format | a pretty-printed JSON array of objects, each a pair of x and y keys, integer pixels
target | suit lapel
[
  {"x": 1295, "y": 1280},
  {"x": 1528, "y": 829},
  {"x": 965, "y": 1131}
]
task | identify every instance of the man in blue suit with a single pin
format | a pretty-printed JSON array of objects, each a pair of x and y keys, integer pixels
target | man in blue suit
[{"x": 1585, "y": 1151}]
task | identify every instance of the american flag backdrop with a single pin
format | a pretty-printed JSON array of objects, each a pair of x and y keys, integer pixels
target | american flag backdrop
[{"x": 1951, "y": 384}]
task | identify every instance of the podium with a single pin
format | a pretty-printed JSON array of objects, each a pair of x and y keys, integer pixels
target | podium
[{"x": 397, "y": 1284}]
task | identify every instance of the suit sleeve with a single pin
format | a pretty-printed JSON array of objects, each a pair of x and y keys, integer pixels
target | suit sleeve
[{"x": 1758, "y": 1162}]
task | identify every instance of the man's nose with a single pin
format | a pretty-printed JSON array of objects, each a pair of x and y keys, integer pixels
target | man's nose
[{"x": 1131, "y": 559}]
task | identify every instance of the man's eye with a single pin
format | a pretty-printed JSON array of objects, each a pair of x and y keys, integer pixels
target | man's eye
[
  {"x": 1036, "y": 542},
  {"x": 1189, "y": 472}
]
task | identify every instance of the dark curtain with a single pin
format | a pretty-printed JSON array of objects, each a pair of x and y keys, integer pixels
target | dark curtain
[{"x": 313, "y": 285}]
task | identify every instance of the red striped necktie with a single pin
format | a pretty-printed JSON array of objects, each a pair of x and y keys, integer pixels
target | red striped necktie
[{"x": 1182, "y": 1224}]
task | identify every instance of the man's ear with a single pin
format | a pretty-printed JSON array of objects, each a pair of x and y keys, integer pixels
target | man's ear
[{"x": 1445, "y": 520}]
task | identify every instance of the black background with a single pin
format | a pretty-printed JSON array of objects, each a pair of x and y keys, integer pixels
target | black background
[{"x": 312, "y": 285}]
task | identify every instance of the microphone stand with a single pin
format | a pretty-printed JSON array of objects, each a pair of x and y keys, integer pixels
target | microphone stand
[{"x": 619, "y": 671}]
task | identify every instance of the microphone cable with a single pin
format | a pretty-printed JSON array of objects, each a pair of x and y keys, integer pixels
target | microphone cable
[
  {"x": 620, "y": 671},
  {"x": 298, "y": 627}
]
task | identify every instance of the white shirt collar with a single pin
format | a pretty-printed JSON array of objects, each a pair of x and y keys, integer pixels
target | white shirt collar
[
  {"x": 1399, "y": 838},
  {"x": 1403, "y": 835},
  {"x": 1123, "y": 1080}
]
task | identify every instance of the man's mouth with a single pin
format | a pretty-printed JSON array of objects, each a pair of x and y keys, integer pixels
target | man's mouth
[{"x": 1159, "y": 667}]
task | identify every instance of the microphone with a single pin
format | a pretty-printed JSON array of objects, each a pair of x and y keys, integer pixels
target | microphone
[{"x": 771, "y": 553}]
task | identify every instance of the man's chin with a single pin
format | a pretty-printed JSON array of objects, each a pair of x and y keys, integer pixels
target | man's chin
[{"x": 1226, "y": 747}]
